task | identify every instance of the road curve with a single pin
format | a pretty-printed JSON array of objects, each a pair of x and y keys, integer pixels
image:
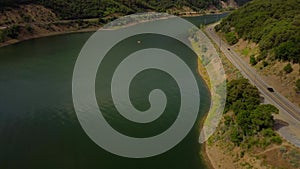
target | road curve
[{"x": 248, "y": 72}]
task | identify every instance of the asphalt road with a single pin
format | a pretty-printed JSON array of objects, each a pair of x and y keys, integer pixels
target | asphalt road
[{"x": 248, "y": 72}]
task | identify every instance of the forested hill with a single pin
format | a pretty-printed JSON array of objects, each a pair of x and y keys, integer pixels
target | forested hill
[
  {"x": 74, "y": 9},
  {"x": 273, "y": 24}
]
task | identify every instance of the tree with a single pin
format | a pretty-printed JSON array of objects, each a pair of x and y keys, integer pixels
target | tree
[
  {"x": 231, "y": 38},
  {"x": 236, "y": 136},
  {"x": 288, "y": 51},
  {"x": 262, "y": 118},
  {"x": 250, "y": 118},
  {"x": 244, "y": 122},
  {"x": 254, "y": 121},
  {"x": 241, "y": 95}
]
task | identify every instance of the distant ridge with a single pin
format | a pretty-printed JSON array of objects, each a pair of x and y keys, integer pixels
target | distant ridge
[{"x": 74, "y": 9}]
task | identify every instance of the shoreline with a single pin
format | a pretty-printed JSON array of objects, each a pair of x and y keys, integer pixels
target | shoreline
[
  {"x": 203, "y": 153},
  {"x": 54, "y": 33},
  {"x": 37, "y": 36},
  {"x": 205, "y": 156}
]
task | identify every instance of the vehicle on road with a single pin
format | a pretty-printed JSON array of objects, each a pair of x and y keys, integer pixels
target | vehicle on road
[{"x": 270, "y": 89}]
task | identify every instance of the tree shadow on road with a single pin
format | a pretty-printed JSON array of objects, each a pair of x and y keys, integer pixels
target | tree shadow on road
[{"x": 279, "y": 124}]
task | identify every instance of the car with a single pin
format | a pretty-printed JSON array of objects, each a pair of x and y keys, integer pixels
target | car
[
  {"x": 228, "y": 49},
  {"x": 270, "y": 89}
]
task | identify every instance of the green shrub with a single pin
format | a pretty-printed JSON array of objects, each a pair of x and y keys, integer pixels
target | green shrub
[
  {"x": 263, "y": 55},
  {"x": 26, "y": 18},
  {"x": 252, "y": 141},
  {"x": 253, "y": 61},
  {"x": 288, "y": 51},
  {"x": 265, "y": 63},
  {"x": 228, "y": 120},
  {"x": 264, "y": 143},
  {"x": 268, "y": 132},
  {"x": 231, "y": 38},
  {"x": 276, "y": 140},
  {"x": 236, "y": 136},
  {"x": 2, "y": 35},
  {"x": 242, "y": 154},
  {"x": 288, "y": 68},
  {"x": 283, "y": 149},
  {"x": 218, "y": 28},
  {"x": 29, "y": 28},
  {"x": 13, "y": 31}
]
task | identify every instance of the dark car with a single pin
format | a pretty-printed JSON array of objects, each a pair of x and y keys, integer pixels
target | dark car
[{"x": 270, "y": 89}]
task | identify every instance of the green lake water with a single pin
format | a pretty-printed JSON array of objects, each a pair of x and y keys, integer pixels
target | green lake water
[{"x": 38, "y": 125}]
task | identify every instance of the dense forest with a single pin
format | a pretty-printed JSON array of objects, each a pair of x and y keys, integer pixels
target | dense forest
[
  {"x": 273, "y": 24},
  {"x": 250, "y": 123},
  {"x": 71, "y": 9}
]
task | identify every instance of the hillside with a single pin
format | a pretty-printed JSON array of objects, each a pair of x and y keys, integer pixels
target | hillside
[
  {"x": 71, "y": 9},
  {"x": 32, "y": 21},
  {"x": 274, "y": 25},
  {"x": 267, "y": 34},
  {"x": 25, "y": 19}
]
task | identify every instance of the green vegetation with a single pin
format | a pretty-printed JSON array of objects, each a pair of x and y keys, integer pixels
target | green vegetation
[
  {"x": 241, "y": 96},
  {"x": 265, "y": 63},
  {"x": 73, "y": 9},
  {"x": 10, "y": 32},
  {"x": 251, "y": 122},
  {"x": 2, "y": 36},
  {"x": 13, "y": 31},
  {"x": 29, "y": 29},
  {"x": 273, "y": 24},
  {"x": 288, "y": 68},
  {"x": 231, "y": 38},
  {"x": 253, "y": 60}
]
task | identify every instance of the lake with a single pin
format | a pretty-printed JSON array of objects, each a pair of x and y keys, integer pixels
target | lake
[{"x": 39, "y": 127}]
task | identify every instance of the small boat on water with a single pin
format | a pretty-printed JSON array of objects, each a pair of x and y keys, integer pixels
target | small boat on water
[{"x": 139, "y": 42}]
